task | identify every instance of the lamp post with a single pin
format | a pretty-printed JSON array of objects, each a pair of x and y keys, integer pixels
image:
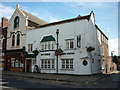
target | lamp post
[{"x": 57, "y": 32}]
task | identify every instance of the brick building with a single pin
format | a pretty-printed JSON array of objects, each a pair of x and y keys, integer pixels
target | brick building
[{"x": 3, "y": 41}]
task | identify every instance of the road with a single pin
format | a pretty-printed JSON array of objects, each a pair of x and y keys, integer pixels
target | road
[{"x": 13, "y": 83}]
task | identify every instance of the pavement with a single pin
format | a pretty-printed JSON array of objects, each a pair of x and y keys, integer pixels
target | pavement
[{"x": 58, "y": 77}]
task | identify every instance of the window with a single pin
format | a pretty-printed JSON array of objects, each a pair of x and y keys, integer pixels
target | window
[
  {"x": 47, "y": 64},
  {"x": 13, "y": 40},
  {"x": 18, "y": 39},
  {"x": 16, "y": 62},
  {"x": 67, "y": 64},
  {"x": 53, "y": 45},
  {"x": 53, "y": 66},
  {"x": 12, "y": 62},
  {"x": 85, "y": 62},
  {"x": 47, "y": 45},
  {"x": 30, "y": 47},
  {"x": 69, "y": 44},
  {"x": 16, "y": 22},
  {"x": 79, "y": 41},
  {"x": 42, "y": 44}
]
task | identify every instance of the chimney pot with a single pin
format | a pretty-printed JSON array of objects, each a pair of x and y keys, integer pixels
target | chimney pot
[{"x": 4, "y": 22}]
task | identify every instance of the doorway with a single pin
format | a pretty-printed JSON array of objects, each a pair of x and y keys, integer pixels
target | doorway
[{"x": 29, "y": 65}]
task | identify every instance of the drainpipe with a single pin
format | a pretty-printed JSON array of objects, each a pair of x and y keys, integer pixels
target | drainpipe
[{"x": 57, "y": 32}]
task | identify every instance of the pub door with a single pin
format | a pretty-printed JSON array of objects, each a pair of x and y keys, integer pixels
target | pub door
[{"x": 28, "y": 65}]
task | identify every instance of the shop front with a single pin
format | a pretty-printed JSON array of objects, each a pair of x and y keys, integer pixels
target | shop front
[{"x": 15, "y": 61}]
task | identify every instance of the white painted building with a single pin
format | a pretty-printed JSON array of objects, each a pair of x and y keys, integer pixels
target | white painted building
[{"x": 77, "y": 39}]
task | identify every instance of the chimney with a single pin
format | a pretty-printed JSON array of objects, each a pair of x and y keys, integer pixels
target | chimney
[{"x": 4, "y": 22}]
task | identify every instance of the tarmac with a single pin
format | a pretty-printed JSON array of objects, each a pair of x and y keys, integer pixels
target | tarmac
[{"x": 57, "y": 77}]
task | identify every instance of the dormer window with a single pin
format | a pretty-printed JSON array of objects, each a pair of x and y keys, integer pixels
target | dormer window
[
  {"x": 48, "y": 43},
  {"x": 16, "y": 22}
]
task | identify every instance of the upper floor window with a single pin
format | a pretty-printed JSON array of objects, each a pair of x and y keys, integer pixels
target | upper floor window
[
  {"x": 13, "y": 40},
  {"x": 30, "y": 47},
  {"x": 70, "y": 44},
  {"x": 18, "y": 39},
  {"x": 16, "y": 22},
  {"x": 79, "y": 41},
  {"x": 48, "y": 43}
]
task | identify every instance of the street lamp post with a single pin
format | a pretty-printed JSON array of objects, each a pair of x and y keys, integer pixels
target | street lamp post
[{"x": 57, "y": 32}]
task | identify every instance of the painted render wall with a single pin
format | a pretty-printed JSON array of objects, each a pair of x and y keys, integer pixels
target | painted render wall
[{"x": 69, "y": 30}]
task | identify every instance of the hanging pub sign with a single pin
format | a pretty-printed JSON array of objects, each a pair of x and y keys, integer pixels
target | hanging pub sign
[
  {"x": 58, "y": 52},
  {"x": 90, "y": 48},
  {"x": 35, "y": 52}
]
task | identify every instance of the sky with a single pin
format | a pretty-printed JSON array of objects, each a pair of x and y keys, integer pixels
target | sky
[{"x": 106, "y": 14}]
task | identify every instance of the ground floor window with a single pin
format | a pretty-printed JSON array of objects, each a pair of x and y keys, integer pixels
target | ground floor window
[
  {"x": 67, "y": 63},
  {"x": 16, "y": 62},
  {"x": 47, "y": 64}
]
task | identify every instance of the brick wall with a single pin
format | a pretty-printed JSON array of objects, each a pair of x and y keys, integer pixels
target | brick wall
[{"x": 4, "y": 22}]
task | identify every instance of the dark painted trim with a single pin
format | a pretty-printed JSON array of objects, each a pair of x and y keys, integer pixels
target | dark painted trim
[{"x": 47, "y": 50}]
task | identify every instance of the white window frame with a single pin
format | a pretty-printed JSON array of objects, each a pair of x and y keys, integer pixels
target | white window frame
[
  {"x": 69, "y": 44},
  {"x": 46, "y": 65},
  {"x": 30, "y": 47},
  {"x": 50, "y": 45},
  {"x": 67, "y": 64}
]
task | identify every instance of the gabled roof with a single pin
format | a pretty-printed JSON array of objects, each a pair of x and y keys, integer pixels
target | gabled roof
[
  {"x": 48, "y": 38},
  {"x": 34, "y": 18},
  {"x": 101, "y": 32}
]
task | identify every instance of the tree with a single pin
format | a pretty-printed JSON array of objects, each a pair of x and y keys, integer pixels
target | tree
[{"x": 115, "y": 59}]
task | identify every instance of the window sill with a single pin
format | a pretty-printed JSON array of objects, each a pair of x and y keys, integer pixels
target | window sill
[
  {"x": 30, "y": 51},
  {"x": 47, "y": 69},
  {"x": 13, "y": 47},
  {"x": 18, "y": 46},
  {"x": 68, "y": 69},
  {"x": 71, "y": 49},
  {"x": 46, "y": 50}
]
